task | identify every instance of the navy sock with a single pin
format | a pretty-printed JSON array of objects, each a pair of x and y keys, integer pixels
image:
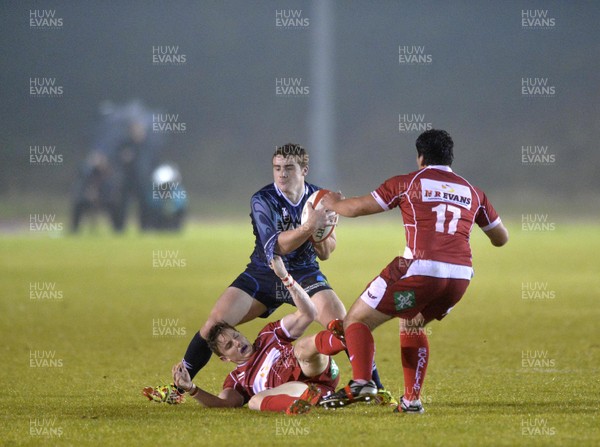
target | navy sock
[
  {"x": 375, "y": 377},
  {"x": 197, "y": 355},
  {"x": 374, "y": 374}
]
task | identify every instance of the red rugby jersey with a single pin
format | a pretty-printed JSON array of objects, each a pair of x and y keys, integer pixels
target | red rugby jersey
[
  {"x": 272, "y": 364},
  {"x": 439, "y": 209}
]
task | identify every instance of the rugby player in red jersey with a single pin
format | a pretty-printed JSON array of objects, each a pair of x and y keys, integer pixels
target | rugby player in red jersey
[
  {"x": 439, "y": 209},
  {"x": 272, "y": 374}
]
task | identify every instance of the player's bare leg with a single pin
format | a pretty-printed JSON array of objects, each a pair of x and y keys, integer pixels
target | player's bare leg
[
  {"x": 329, "y": 307},
  {"x": 291, "y": 397},
  {"x": 294, "y": 389},
  {"x": 361, "y": 312},
  {"x": 311, "y": 361},
  {"x": 234, "y": 306},
  {"x": 414, "y": 350}
]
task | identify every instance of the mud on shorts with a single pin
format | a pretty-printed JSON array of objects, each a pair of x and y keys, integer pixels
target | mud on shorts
[
  {"x": 266, "y": 287},
  {"x": 396, "y": 295}
]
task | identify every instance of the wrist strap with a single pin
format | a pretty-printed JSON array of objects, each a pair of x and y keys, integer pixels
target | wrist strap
[{"x": 288, "y": 281}]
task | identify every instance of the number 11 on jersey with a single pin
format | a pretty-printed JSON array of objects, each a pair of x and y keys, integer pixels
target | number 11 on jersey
[{"x": 440, "y": 211}]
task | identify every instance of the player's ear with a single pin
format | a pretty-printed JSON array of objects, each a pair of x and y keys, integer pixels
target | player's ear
[
  {"x": 305, "y": 170},
  {"x": 223, "y": 358}
]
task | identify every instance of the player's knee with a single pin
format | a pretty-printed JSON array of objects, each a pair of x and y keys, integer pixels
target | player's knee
[
  {"x": 254, "y": 403},
  {"x": 351, "y": 318},
  {"x": 329, "y": 307},
  {"x": 348, "y": 321},
  {"x": 302, "y": 348},
  {"x": 205, "y": 329}
]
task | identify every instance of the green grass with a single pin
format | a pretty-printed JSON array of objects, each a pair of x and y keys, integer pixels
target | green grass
[{"x": 477, "y": 391}]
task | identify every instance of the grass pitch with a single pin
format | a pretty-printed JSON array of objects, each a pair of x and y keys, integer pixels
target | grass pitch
[{"x": 87, "y": 321}]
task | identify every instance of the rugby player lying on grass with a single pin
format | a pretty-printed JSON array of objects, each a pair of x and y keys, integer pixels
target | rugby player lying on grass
[{"x": 272, "y": 374}]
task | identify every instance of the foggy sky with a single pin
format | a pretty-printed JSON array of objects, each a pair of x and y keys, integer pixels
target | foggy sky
[{"x": 225, "y": 92}]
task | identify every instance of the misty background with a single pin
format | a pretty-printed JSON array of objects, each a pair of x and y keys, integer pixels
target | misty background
[{"x": 225, "y": 93}]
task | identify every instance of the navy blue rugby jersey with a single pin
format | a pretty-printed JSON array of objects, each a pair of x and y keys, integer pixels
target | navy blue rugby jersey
[{"x": 271, "y": 213}]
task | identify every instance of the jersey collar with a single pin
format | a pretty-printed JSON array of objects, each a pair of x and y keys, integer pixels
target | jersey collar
[
  {"x": 281, "y": 194},
  {"x": 440, "y": 167}
]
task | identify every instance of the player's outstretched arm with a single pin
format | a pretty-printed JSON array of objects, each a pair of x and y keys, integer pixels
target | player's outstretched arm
[
  {"x": 498, "y": 235},
  {"x": 227, "y": 398},
  {"x": 352, "y": 207},
  {"x": 297, "y": 322}
]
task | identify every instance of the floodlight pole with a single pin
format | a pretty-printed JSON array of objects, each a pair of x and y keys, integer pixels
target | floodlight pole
[{"x": 321, "y": 119}]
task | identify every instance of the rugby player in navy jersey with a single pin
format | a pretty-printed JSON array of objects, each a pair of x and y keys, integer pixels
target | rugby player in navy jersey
[{"x": 275, "y": 213}]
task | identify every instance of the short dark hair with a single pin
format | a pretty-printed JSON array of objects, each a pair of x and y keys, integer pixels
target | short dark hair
[
  {"x": 213, "y": 336},
  {"x": 295, "y": 151},
  {"x": 436, "y": 147}
]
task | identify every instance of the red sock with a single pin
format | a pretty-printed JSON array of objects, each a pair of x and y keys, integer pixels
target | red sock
[
  {"x": 328, "y": 344},
  {"x": 414, "y": 350},
  {"x": 361, "y": 349},
  {"x": 276, "y": 402}
]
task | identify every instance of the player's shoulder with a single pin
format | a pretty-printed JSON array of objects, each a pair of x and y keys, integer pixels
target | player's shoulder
[
  {"x": 267, "y": 192},
  {"x": 268, "y": 329},
  {"x": 460, "y": 179},
  {"x": 397, "y": 182},
  {"x": 267, "y": 189},
  {"x": 273, "y": 331},
  {"x": 311, "y": 187},
  {"x": 450, "y": 176},
  {"x": 441, "y": 173}
]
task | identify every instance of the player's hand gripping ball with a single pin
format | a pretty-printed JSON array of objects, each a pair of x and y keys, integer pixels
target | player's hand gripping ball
[{"x": 324, "y": 232}]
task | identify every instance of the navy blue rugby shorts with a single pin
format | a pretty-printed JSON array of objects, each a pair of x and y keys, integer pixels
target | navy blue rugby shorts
[{"x": 266, "y": 287}]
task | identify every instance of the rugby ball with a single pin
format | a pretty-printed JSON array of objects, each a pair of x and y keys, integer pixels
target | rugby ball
[{"x": 315, "y": 199}]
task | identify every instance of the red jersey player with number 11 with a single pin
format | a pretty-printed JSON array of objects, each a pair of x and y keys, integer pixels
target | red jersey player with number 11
[{"x": 439, "y": 209}]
